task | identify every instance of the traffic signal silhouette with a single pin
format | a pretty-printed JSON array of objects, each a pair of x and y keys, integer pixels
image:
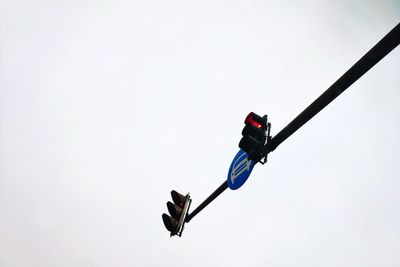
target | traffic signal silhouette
[
  {"x": 255, "y": 136},
  {"x": 257, "y": 142},
  {"x": 178, "y": 210}
]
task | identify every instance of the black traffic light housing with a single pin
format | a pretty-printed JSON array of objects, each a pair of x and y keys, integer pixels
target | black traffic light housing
[
  {"x": 178, "y": 211},
  {"x": 256, "y": 135}
]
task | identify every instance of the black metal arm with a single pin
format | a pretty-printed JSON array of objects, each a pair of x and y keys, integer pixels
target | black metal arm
[{"x": 379, "y": 51}]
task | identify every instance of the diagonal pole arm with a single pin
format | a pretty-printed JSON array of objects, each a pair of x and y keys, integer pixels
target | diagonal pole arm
[{"x": 373, "y": 56}]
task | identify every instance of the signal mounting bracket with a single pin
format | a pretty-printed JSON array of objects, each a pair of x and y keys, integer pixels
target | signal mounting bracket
[{"x": 264, "y": 159}]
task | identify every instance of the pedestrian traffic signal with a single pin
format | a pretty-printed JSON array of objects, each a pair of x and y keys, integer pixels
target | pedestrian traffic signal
[
  {"x": 255, "y": 136},
  {"x": 178, "y": 211}
]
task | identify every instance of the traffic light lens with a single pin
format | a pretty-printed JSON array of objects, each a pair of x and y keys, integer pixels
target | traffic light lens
[{"x": 251, "y": 119}]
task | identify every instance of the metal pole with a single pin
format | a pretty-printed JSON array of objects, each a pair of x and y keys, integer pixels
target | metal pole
[
  {"x": 373, "y": 56},
  {"x": 379, "y": 51},
  {"x": 208, "y": 200}
]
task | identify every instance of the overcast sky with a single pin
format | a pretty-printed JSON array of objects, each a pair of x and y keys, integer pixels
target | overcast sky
[{"x": 106, "y": 106}]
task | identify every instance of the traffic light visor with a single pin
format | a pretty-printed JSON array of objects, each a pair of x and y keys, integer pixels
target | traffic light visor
[
  {"x": 174, "y": 210},
  {"x": 254, "y": 120},
  {"x": 170, "y": 223},
  {"x": 178, "y": 198}
]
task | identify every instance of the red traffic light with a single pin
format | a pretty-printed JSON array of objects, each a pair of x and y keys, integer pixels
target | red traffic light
[
  {"x": 255, "y": 135},
  {"x": 255, "y": 120}
]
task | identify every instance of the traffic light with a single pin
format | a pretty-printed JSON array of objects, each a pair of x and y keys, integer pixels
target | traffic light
[
  {"x": 178, "y": 211},
  {"x": 255, "y": 136}
]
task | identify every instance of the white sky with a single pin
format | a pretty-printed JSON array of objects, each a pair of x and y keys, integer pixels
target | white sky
[{"x": 105, "y": 106}]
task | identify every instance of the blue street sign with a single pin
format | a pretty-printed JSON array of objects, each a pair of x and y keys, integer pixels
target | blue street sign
[{"x": 240, "y": 170}]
